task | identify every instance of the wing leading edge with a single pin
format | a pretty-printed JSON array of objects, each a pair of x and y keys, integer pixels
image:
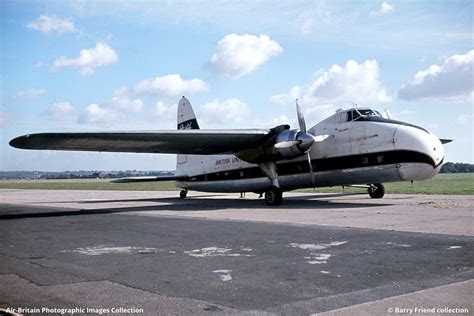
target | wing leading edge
[{"x": 192, "y": 142}]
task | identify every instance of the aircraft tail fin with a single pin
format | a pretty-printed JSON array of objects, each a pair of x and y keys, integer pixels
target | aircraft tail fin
[
  {"x": 186, "y": 116},
  {"x": 186, "y": 120}
]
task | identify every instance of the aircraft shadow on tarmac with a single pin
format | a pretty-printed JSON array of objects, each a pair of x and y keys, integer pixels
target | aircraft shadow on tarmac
[
  {"x": 315, "y": 198},
  {"x": 195, "y": 203}
]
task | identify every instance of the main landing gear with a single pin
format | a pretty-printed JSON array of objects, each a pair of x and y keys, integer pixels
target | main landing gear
[
  {"x": 376, "y": 190},
  {"x": 183, "y": 193},
  {"x": 273, "y": 196}
]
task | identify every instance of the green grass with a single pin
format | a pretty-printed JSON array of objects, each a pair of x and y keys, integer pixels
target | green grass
[
  {"x": 87, "y": 184},
  {"x": 448, "y": 183},
  {"x": 444, "y": 183}
]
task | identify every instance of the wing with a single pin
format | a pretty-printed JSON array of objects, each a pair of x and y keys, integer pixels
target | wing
[
  {"x": 198, "y": 142},
  {"x": 149, "y": 179}
]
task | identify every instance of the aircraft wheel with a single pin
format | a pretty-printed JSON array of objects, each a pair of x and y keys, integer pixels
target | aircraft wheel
[
  {"x": 273, "y": 196},
  {"x": 376, "y": 191},
  {"x": 183, "y": 193}
]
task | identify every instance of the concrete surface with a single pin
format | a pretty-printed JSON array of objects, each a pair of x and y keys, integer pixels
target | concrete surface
[{"x": 208, "y": 254}]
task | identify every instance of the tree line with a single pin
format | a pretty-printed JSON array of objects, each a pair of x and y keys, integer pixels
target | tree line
[{"x": 457, "y": 167}]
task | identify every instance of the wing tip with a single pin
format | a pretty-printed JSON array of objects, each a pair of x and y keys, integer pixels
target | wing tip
[{"x": 18, "y": 142}]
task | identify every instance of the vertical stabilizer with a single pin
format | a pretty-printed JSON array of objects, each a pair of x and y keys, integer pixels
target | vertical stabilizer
[
  {"x": 186, "y": 116},
  {"x": 186, "y": 120}
]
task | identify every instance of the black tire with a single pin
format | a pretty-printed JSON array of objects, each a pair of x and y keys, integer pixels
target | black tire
[
  {"x": 183, "y": 193},
  {"x": 376, "y": 191},
  {"x": 273, "y": 196}
]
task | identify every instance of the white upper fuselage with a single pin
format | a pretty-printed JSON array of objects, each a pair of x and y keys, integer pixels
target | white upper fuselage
[{"x": 359, "y": 150}]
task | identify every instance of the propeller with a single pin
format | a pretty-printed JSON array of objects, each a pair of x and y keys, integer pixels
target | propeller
[
  {"x": 294, "y": 143},
  {"x": 302, "y": 125}
]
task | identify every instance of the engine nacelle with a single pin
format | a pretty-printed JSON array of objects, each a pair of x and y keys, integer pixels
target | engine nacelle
[
  {"x": 287, "y": 144},
  {"x": 290, "y": 144}
]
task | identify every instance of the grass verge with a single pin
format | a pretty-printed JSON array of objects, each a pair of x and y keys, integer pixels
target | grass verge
[{"x": 447, "y": 183}]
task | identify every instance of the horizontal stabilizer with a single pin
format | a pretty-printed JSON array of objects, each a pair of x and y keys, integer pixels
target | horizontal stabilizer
[
  {"x": 149, "y": 179},
  {"x": 445, "y": 141}
]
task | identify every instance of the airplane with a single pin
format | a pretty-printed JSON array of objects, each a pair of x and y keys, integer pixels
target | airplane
[{"x": 353, "y": 147}]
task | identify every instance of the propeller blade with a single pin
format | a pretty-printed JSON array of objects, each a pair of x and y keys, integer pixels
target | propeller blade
[
  {"x": 307, "y": 138},
  {"x": 311, "y": 169},
  {"x": 301, "y": 121},
  {"x": 320, "y": 138},
  {"x": 287, "y": 144}
]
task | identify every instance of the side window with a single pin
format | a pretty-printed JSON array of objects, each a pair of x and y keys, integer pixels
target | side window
[{"x": 349, "y": 116}]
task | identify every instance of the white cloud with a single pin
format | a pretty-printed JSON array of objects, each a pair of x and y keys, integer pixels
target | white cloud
[
  {"x": 318, "y": 113},
  {"x": 279, "y": 120},
  {"x": 163, "y": 116},
  {"x": 89, "y": 59},
  {"x": 30, "y": 94},
  {"x": 355, "y": 82},
  {"x": 170, "y": 86},
  {"x": 113, "y": 110},
  {"x": 451, "y": 81},
  {"x": 238, "y": 55},
  {"x": 49, "y": 24},
  {"x": 61, "y": 109},
  {"x": 97, "y": 114},
  {"x": 121, "y": 100},
  {"x": 287, "y": 98},
  {"x": 225, "y": 112},
  {"x": 162, "y": 110},
  {"x": 385, "y": 8}
]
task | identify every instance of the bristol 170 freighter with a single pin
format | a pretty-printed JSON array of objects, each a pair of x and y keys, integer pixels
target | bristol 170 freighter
[{"x": 356, "y": 146}]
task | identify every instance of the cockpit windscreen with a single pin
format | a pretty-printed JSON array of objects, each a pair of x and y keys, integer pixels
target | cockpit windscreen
[{"x": 355, "y": 114}]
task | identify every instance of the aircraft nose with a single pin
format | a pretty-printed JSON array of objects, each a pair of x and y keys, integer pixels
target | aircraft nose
[{"x": 422, "y": 150}]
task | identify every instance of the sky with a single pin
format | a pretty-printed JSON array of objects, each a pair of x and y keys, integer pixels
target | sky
[{"x": 124, "y": 65}]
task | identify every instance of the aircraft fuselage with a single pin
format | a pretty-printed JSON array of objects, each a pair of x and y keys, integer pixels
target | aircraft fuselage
[{"x": 362, "y": 151}]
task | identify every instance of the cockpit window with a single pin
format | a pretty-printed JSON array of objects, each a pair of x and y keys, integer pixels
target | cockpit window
[{"x": 355, "y": 114}]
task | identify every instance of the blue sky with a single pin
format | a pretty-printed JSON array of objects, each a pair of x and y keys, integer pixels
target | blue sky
[{"x": 119, "y": 65}]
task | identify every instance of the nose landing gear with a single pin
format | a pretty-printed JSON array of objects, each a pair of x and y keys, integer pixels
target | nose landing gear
[{"x": 183, "y": 193}]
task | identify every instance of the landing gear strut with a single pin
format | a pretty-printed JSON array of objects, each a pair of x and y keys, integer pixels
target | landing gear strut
[
  {"x": 273, "y": 196},
  {"x": 376, "y": 190},
  {"x": 183, "y": 193}
]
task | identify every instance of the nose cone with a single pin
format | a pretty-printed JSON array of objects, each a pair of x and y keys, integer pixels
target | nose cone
[{"x": 422, "y": 150}]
